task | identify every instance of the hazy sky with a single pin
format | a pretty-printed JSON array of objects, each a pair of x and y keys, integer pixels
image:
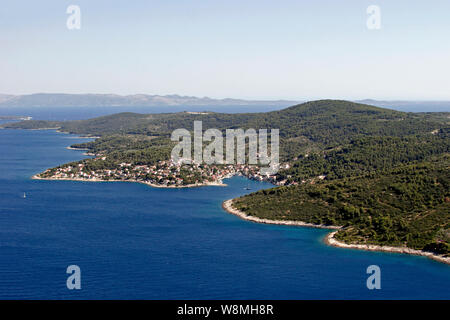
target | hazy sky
[{"x": 228, "y": 48}]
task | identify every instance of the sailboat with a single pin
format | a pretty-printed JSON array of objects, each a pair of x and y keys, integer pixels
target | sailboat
[
  {"x": 247, "y": 188},
  {"x": 24, "y": 195}
]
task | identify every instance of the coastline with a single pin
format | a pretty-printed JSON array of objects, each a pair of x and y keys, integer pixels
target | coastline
[
  {"x": 56, "y": 128},
  {"x": 217, "y": 183},
  {"x": 330, "y": 240},
  {"x": 210, "y": 184},
  {"x": 227, "y": 206},
  {"x": 82, "y": 149}
]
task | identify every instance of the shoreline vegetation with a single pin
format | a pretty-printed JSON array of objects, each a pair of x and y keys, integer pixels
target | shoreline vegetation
[
  {"x": 158, "y": 173},
  {"x": 329, "y": 239},
  {"x": 58, "y": 129},
  {"x": 227, "y": 205},
  {"x": 218, "y": 183}
]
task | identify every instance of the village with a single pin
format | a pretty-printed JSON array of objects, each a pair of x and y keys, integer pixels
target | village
[{"x": 162, "y": 174}]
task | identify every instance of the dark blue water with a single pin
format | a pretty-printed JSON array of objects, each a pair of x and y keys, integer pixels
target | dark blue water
[{"x": 132, "y": 241}]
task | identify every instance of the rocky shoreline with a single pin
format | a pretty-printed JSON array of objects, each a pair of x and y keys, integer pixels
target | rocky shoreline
[
  {"x": 206, "y": 184},
  {"x": 330, "y": 240},
  {"x": 227, "y": 206}
]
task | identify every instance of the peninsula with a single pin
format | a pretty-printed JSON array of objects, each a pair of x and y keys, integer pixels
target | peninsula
[{"x": 379, "y": 177}]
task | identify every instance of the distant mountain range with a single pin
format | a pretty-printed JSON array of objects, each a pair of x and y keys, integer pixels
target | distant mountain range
[
  {"x": 145, "y": 100},
  {"x": 114, "y": 100}
]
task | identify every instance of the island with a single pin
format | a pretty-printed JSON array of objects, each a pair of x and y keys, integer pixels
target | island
[{"x": 21, "y": 118}]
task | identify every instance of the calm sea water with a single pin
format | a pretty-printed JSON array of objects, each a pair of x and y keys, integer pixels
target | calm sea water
[
  {"x": 78, "y": 113},
  {"x": 132, "y": 241}
]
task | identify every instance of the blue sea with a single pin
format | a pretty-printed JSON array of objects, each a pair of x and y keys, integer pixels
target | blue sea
[
  {"x": 133, "y": 241},
  {"x": 79, "y": 113}
]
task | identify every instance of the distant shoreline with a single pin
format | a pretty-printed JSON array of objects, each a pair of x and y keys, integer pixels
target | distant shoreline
[
  {"x": 211, "y": 184},
  {"x": 39, "y": 129},
  {"x": 58, "y": 129},
  {"x": 330, "y": 240},
  {"x": 82, "y": 149}
]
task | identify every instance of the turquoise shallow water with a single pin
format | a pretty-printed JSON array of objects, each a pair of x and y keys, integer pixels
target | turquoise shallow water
[{"x": 132, "y": 241}]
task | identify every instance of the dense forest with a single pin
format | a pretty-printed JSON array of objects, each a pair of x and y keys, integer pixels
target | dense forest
[
  {"x": 408, "y": 205},
  {"x": 327, "y": 123}
]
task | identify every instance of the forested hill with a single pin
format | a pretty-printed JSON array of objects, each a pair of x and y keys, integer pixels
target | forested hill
[
  {"x": 405, "y": 206},
  {"x": 309, "y": 126},
  {"x": 290, "y": 121}
]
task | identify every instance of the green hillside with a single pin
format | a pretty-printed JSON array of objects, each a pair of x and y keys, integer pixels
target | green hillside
[
  {"x": 311, "y": 126},
  {"x": 408, "y": 205}
]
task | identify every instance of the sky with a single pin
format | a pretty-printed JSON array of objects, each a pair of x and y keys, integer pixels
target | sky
[{"x": 297, "y": 50}]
